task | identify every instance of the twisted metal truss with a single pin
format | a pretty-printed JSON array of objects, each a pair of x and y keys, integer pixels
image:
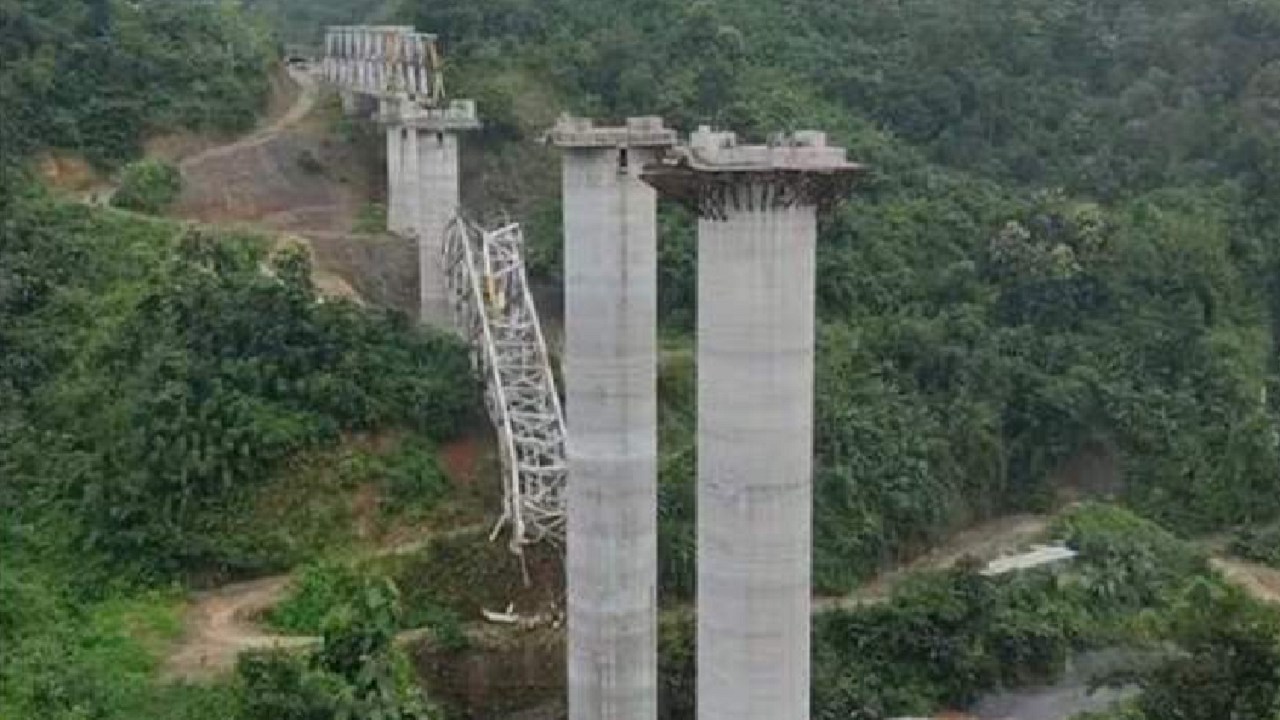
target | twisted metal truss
[{"x": 494, "y": 309}]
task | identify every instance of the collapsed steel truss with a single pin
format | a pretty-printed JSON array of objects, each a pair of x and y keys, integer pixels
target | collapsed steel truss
[{"x": 494, "y": 310}]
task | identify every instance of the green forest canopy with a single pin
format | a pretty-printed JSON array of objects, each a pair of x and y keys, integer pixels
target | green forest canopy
[{"x": 1070, "y": 241}]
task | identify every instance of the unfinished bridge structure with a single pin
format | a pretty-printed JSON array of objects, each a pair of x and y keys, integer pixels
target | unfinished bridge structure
[
  {"x": 595, "y": 485},
  {"x": 401, "y": 71},
  {"x": 471, "y": 280}
]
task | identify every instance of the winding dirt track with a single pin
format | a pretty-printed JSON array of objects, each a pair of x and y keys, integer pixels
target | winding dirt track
[
  {"x": 222, "y": 623},
  {"x": 301, "y": 108},
  {"x": 220, "y": 627}
]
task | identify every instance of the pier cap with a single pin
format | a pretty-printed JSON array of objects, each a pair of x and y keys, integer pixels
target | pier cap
[
  {"x": 576, "y": 132},
  {"x": 713, "y": 170},
  {"x": 456, "y": 115}
]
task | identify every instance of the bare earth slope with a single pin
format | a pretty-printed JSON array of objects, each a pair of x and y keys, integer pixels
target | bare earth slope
[{"x": 293, "y": 178}]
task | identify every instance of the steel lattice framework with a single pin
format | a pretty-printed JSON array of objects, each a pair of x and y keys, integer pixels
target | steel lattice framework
[
  {"x": 494, "y": 309},
  {"x": 389, "y": 61}
]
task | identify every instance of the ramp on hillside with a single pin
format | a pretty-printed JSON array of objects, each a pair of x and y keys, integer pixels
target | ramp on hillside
[{"x": 493, "y": 308}]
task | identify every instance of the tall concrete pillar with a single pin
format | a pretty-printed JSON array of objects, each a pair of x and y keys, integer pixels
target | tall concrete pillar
[
  {"x": 410, "y": 182},
  {"x": 390, "y": 118},
  {"x": 756, "y": 238},
  {"x": 430, "y": 180},
  {"x": 394, "y": 190},
  {"x": 610, "y": 270},
  {"x": 437, "y": 204}
]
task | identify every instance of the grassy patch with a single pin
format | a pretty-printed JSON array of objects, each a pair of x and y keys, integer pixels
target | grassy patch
[{"x": 133, "y": 633}]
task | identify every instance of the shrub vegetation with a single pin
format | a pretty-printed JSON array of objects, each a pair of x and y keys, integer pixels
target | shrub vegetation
[{"x": 148, "y": 186}]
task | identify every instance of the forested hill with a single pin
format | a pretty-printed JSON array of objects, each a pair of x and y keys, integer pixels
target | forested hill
[
  {"x": 97, "y": 77},
  {"x": 1108, "y": 98},
  {"x": 178, "y": 404},
  {"x": 1068, "y": 257},
  {"x": 1070, "y": 243}
]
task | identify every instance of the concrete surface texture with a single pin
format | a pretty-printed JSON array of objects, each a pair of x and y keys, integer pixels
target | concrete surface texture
[
  {"x": 423, "y": 187},
  {"x": 610, "y": 219},
  {"x": 434, "y": 204},
  {"x": 397, "y": 215},
  {"x": 757, "y": 233},
  {"x": 755, "y": 430}
]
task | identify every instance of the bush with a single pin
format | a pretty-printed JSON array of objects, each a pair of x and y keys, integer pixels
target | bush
[
  {"x": 357, "y": 672},
  {"x": 322, "y": 589},
  {"x": 315, "y": 592},
  {"x": 148, "y": 186},
  {"x": 1226, "y": 663},
  {"x": 412, "y": 477},
  {"x": 1126, "y": 564}
]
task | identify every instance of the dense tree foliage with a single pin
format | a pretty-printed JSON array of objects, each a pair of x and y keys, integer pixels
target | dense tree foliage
[
  {"x": 1067, "y": 249},
  {"x": 159, "y": 373},
  {"x": 1225, "y": 663},
  {"x": 1067, "y": 246},
  {"x": 941, "y": 639},
  {"x": 148, "y": 186},
  {"x": 155, "y": 380},
  {"x": 302, "y": 22},
  {"x": 1109, "y": 98},
  {"x": 97, "y": 76}
]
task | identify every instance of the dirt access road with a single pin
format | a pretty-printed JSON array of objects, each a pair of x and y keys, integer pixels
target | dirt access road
[
  {"x": 219, "y": 629},
  {"x": 309, "y": 93},
  {"x": 222, "y": 623}
]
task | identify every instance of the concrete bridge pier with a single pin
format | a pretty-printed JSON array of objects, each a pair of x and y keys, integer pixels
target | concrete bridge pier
[
  {"x": 757, "y": 231},
  {"x": 423, "y": 189},
  {"x": 431, "y": 179},
  {"x": 396, "y": 215},
  {"x": 611, "y": 289}
]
